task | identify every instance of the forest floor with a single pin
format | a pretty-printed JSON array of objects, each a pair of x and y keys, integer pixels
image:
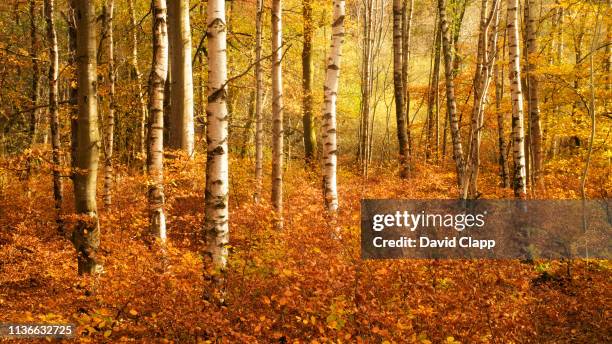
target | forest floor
[{"x": 295, "y": 285}]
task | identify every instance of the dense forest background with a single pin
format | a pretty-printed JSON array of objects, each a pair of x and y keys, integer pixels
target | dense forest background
[{"x": 195, "y": 172}]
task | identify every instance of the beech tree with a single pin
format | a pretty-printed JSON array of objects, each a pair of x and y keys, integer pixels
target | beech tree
[
  {"x": 533, "y": 85},
  {"x": 155, "y": 139},
  {"x": 181, "y": 88},
  {"x": 330, "y": 90},
  {"x": 86, "y": 236},
  {"x": 310, "y": 136}
]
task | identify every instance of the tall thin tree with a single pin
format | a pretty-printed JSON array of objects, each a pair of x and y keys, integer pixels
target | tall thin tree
[
  {"x": 110, "y": 119},
  {"x": 181, "y": 90},
  {"x": 400, "y": 115},
  {"x": 58, "y": 196},
  {"x": 330, "y": 90},
  {"x": 277, "y": 110},
  {"x": 516, "y": 89},
  {"x": 216, "y": 224},
  {"x": 86, "y": 236},
  {"x": 155, "y": 137},
  {"x": 310, "y": 137},
  {"x": 258, "y": 103}
]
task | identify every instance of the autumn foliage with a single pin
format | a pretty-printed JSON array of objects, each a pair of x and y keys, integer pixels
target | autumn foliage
[{"x": 306, "y": 283}]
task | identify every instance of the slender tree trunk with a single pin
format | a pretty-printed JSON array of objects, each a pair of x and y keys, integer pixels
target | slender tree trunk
[
  {"x": 34, "y": 91},
  {"x": 533, "y": 88},
  {"x": 277, "y": 110},
  {"x": 155, "y": 137},
  {"x": 486, "y": 59},
  {"x": 399, "y": 90},
  {"x": 258, "y": 104},
  {"x": 310, "y": 136},
  {"x": 86, "y": 236},
  {"x": 136, "y": 76},
  {"x": 110, "y": 119},
  {"x": 365, "y": 87},
  {"x": 407, "y": 11},
  {"x": 58, "y": 195},
  {"x": 330, "y": 90},
  {"x": 501, "y": 135},
  {"x": 181, "y": 90},
  {"x": 518, "y": 134},
  {"x": 72, "y": 61},
  {"x": 216, "y": 224},
  {"x": 450, "y": 94},
  {"x": 432, "y": 93}
]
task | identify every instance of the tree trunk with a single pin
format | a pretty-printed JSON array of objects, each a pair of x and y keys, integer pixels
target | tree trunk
[
  {"x": 181, "y": 90},
  {"x": 86, "y": 236},
  {"x": 216, "y": 224},
  {"x": 400, "y": 116},
  {"x": 58, "y": 195},
  {"x": 482, "y": 79},
  {"x": 518, "y": 134},
  {"x": 432, "y": 94},
  {"x": 155, "y": 137},
  {"x": 258, "y": 104},
  {"x": 501, "y": 135},
  {"x": 74, "y": 109},
  {"x": 136, "y": 77},
  {"x": 310, "y": 136},
  {"x": 35, "y": 85},
  {"x": 330, "y": 90},
  {"x": 366, "y": 63},
  {"x": 407, "y": 11},
  {"x": 451, "y": 103},
  {"x": 277, "y": 110},
  {"x": 533, "y": 88},
  {"x": 110, "y": 119}
]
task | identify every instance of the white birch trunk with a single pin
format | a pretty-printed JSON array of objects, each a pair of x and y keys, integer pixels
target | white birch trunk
[
  {"x": 277, "y": 110},
  {"x": 216, "y": 225},
  {"x": 155, "y": 137},
  {"x": 136, "y": 76},
  {"x": 330, "y": 89},
  {"x": 518, "y": 133}
]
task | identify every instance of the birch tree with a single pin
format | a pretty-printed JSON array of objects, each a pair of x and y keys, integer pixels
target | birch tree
[
  {"x": 86, "y": 236},
  {"x": 330, "y": 90},
  {"x": 136, "y": 77},
  {"x": 155, "y": 137},
  {"x": 110, "y": 119},
  {"x": 258, "y": 103},
  {"x": 58, "y": 196},
  {"x": 518, "y": 134},
  {"x": 181, "y": 89},
  {"x": 277, "y": 110},
  {"x": 451, "y": 103},
  {"x": 216, "y": 224},
  {"x": 535, "y": 130},
  {"x": 398, "y": 87}
]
